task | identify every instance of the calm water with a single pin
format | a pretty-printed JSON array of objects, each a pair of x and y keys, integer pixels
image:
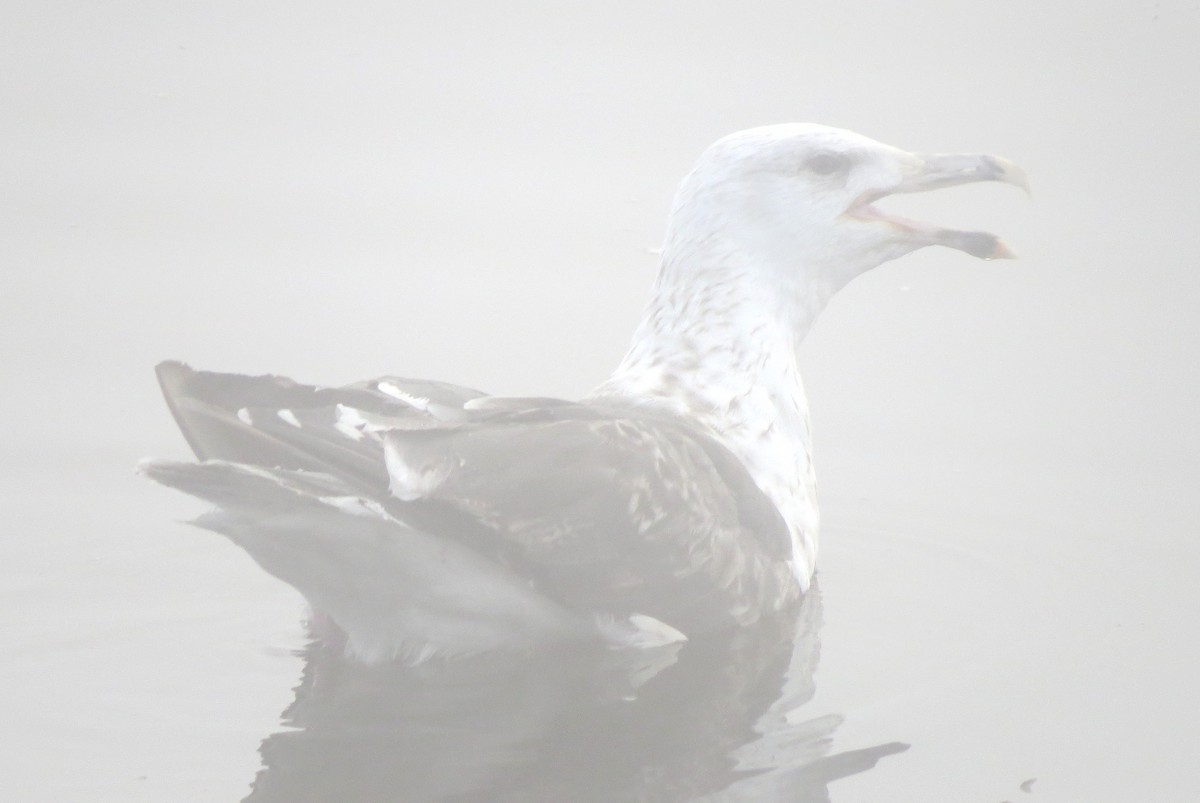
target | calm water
[
  {"x": 1009, "y": 566},
  {"x": 941, "y": 658}
]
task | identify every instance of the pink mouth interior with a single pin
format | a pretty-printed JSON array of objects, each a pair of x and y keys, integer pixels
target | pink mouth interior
[{"x": 864, "y": 210}]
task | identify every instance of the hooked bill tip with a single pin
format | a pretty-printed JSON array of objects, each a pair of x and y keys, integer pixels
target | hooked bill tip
[{"x": 1010, "y": 173}]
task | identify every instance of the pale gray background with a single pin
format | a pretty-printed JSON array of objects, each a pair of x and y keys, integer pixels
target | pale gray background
[{"x": 472, "y": 192}]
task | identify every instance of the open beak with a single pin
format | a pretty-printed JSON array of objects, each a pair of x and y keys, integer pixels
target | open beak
[{"x": 936, "y": 170}]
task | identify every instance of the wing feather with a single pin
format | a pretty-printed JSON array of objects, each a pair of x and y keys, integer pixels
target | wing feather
[{"x": 597, "y": 507}]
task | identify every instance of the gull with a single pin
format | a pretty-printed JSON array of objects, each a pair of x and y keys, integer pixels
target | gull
[{"x": 422, "y": 519}]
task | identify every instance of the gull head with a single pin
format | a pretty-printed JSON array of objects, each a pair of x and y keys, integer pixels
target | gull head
[{"x": 799, "y": 200}]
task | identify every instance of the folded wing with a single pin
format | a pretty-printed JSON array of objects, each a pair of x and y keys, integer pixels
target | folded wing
[{"x": 427, "y": 518}]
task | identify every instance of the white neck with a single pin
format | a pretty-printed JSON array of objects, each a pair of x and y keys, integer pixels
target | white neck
[{"x": 718, "y": 344}]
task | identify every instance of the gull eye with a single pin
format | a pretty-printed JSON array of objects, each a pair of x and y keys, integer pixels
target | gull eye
[{"x": 826, "y": 163}]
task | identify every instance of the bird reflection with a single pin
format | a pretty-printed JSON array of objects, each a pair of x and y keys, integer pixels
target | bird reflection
[{"x": 718, "y": 719}]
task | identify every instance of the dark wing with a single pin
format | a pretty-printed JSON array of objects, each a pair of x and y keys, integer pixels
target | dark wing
[
  {"x": 601, "y": 508},
  {"x": 604, "y": 508},
  {"x": 277, "y": 422}
]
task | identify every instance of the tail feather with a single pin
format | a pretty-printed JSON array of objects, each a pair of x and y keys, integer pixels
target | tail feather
[
  {"x": 237, "y": 485},
  {"x": 396, "y": 591}
]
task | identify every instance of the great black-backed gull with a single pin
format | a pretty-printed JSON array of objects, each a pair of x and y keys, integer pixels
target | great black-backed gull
[{"x": 426, "y": 519}]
